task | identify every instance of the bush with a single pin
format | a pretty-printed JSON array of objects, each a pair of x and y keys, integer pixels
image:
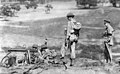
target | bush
[{"x": 85, "y": 2}]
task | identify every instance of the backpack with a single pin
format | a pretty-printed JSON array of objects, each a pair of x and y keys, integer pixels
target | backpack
[{"x": 76, "y": 28}]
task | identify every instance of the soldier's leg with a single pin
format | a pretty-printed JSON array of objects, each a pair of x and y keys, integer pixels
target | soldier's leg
[
  {"x": 106, "y": 55},
  {"x": 110, "y": 56},
  {"x": 72, "y": 48},
  {"x": 63, "y": 50}
]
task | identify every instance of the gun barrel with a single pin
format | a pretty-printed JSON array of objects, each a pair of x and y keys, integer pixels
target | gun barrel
[{"x": 20, "y": 50}]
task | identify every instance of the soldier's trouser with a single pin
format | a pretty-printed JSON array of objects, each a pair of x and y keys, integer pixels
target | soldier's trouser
[
  {"x": 108, "y": 53},
  {"x": 72, "y": 50},
  {"x": 71, "y": 47}
]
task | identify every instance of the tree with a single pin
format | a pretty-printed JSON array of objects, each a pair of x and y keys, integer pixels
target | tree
[
  {"x": 87, "y": 2},
  {"x": 114, "y": 2}
]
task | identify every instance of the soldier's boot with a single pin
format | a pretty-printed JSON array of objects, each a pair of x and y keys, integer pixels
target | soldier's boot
[{"x": 63, "y": 51}]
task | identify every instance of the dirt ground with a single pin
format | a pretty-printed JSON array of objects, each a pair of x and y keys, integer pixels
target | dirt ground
[{"x": 33, "y": 26}]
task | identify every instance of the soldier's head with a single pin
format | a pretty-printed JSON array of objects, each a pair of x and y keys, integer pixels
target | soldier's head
[
  {"x": 70, "y": 16},
  {"x": 35, "y": 46}
]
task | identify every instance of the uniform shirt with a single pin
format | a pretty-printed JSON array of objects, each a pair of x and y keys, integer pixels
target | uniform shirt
[
  {"x": 70, "y": 27},
  {"x": 109, "y": 28}
]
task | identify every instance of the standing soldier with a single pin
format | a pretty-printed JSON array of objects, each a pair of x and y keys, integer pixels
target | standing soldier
[
  {"x": 109, "y": 41},
  {"x": 72, "y": 34}
]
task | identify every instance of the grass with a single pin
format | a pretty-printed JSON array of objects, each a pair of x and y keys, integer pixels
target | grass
[
  {"x": 90, "y": 51},
  {"x": 55, "y": 27}
]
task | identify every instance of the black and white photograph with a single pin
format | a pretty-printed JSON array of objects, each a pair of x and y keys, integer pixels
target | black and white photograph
[{"x": 59, "y": 36}]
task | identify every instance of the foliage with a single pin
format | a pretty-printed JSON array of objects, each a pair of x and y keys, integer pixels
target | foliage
[
  {"x": 85, "y": 2},
  {"x": 114, "y": 2}
]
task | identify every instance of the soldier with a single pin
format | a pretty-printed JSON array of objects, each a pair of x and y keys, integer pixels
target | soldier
[
  {"x": 72, "y": 34},
  {"x": 109, "y": 41}
]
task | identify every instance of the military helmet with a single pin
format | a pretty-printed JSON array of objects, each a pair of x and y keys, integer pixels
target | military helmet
[
  {"x": 34, "y": 46},
  {"x": 107, "y": 20},
  {"x": 70, "y": 14}
]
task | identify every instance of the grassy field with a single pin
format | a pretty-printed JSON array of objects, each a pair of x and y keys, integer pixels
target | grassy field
[{"x": 55, "y": 27}]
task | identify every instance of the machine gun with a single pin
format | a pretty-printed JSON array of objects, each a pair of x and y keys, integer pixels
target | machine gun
[
  {"x": 29, "y": 55},
  {"x": 31, "y": 58}
]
